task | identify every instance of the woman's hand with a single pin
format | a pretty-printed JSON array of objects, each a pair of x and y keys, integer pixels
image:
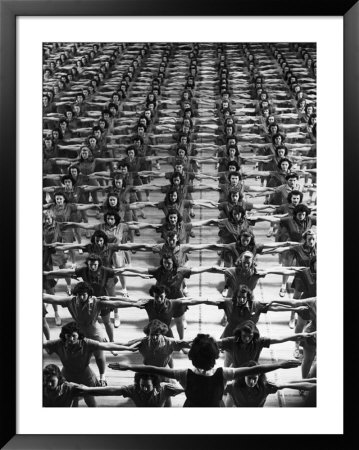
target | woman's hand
[{"x": 290, "y": 364}]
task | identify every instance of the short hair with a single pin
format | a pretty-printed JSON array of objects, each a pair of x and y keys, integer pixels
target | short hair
[
  {"x": 158, "y": 290},
  {"x": 234, "y": 174},
  {"x": 300, "y": 209},
  {"x": 291, "y": 175},
  {"x": 61, "y": 193},
  {"x": 177, "y": 175},
  {"x": 119, "y": 176},
  {"x": 169, "y": 256},
  {"x": 243, "y": 289},
  {"x": 83, "y": 288},
  {"x": 294, "y": 192},
  {"x": 155, "y": 327},
  {"x": 94, "y": 257},
  {"x": 249, "y": 327},
  {"x": 99, "y": 234},
  {"x": 146, "y": 376},
  {"x": 246, "y": 254},
  {"x": 131, "y": 147},
  {"x": 67, "y": 177},
  {"x": 112, "y": 213},
  {"x": 233, "y": 164},
  {"x": 278, "y": 135},
  {"x": 282, "y": 147},
  {"x": 237, "y": 209},
  {"x": 204, "y": 352},
  {"x": 52, "y": 370},
  {"x": 70, "y": 328}
]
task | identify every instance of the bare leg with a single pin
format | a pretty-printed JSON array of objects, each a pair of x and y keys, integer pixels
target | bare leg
[{"x": 180, "y": 326}]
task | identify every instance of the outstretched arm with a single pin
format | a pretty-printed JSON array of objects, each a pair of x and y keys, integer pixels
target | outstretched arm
[
  {"x": 55, "y": 299},
  {"x": 82, "y": 390},
  {"x": 60, "y": 273},
  {"x": 152, "y": 370},
  {"x": 293, "y": 337},
  {"x": 264, "y": 368}
]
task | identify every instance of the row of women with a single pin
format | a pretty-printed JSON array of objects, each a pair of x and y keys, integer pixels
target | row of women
[{"x": 224, "y": 123}]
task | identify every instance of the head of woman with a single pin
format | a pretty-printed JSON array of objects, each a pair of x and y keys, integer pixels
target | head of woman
[
  {"x": 250, "y": 381},
  {"x": 246, "y": 332},
  {"x": 71, "y": 334},
  {"x": 204, "y": 352},
  {"x": 85, "y": 154},
  {"x": 246, "y": 239},
  {"x": 301, "y": 212},
  {"x": 68, "y": 182},
  {"x": 146, "y": 383},
  {"x": 111, "y": 218},
  {"x": 112, "y": 201},
  {"x": 284, "y": 164},
  {"x": 242, "y": 296},
  {"x": 99, "y": 238},
  {"x": 74, "y": 171},
  {"x": 156, "y": 330},
  {"x": 172, "y": 196},
  {"x": 295, "y": 197},
  {"x": 234, "y": 195},
  {"x": 245, "y": 261},
  {"x": 159, "y": 293},
  {"x": 181, "y": 151},
  {"x": 281, "y": 151},
  {"x": 51, "y": 377},
  {"x": 168, "y": 262},
  {"x": 48, "y": 218},
  {"x": 118, "y": 182},
  {"x": 82, "y": 291},
  {"x": 60, "y": 198},
  {"x": 277, "y": 139},
  {"x": 237, "y": 214},
  {"x": 177, "y": 179},
  {"x": 173, "y": 217},
  {"x": 310, "y": 238}
]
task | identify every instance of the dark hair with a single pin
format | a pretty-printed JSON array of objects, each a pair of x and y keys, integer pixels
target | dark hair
[
  {"x": 243, "y": 289},
  {"x": 233, "y": 163},
  {"x": 277, "y": 135},
  {"x": 204, "y": 352},
  {"x": 283, "y": 160},
  {"x": 241, "y": 382},
  {"x": 169, "y": 256},
  {"x": 70, "y": 328},
  {"x": 174, "y": 211},
  {"x": 131, "y": 147},
  {"x": 294, "y": 192},
  {"x": 83, "y": 288},
  {"x": 158, "y": 290},
  {"x": 146, "y": 376},
  {"x": 281, "y": 147},
  {"x": 238, "y": 209},
  {"x": 291, "y": 175},
  {"x": 67, "y": 177},
  {"x": 101, "y": 234},
  {"x": 94, "y": 257},
  {"x": 52, "y": 370},
  {"x": 249, "y": 327},
  {"x": 301, "y": 208},
  {"x": 177, "y": 175},
  {"x": 234, "y": 174},
  {"x": 234, "y": 190},
  {"x": 155, "y": 327},
  {"x": 167, "y": 197},
  {"x": 58, "y": 192},
  {"x": 112, "y": 213},
  {"x": 118, "y": 177}
]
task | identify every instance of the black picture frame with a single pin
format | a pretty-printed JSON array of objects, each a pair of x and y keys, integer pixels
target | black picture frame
[{"x": 9, "y": 11}]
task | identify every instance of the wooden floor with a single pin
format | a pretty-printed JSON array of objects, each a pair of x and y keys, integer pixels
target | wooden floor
[{"x": 201, "y": 318}]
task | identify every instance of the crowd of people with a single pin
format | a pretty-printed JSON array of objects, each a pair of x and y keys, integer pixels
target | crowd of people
[{"x": 177, "y": 129}]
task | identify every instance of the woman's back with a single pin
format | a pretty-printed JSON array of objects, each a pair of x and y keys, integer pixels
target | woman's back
[{"x": 202, "y": 390}]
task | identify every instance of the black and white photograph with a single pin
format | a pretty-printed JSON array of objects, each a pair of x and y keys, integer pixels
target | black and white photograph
[{"x": 179, "y": 224}]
